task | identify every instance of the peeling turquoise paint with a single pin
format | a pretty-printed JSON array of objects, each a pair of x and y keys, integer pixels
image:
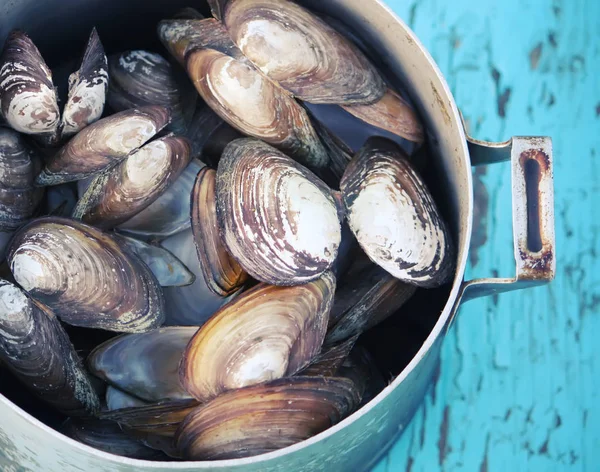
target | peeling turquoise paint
[{"x": 519, "y": 387}]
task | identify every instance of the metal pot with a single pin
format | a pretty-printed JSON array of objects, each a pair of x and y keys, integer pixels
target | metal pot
[{"x": 358, "y": 441}]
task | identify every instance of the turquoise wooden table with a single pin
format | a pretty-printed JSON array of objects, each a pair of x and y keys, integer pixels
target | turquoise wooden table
[{"x": 519, "y": 382}]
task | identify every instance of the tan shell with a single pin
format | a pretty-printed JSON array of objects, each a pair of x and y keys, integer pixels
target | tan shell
[{"x": 266, "y": 333}]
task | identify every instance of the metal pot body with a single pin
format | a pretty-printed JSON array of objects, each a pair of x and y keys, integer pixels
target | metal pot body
[{"x": 355, "y": 443}]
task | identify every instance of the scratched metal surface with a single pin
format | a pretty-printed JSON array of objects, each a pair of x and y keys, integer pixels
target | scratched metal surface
[{"x": 519, "y": 381}]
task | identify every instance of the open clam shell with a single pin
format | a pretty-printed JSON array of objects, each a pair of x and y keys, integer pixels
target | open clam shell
[
  {"x": 87, "y": 89},
  {"x": 266, "y": 333},
  {"x": 85, "y": 277},
  {"x": 103, "y": 143},
  {"x": 29, "y": 101},
  {"x": 222, "y": 273},
  {"x": 264, "y": 418},
  {"x": 145, "y": 365},
  {"x": 35, "y": 347},
  {"x": 293, "y": 233},
  {"x": 19, "y": 165},
  {"x": 117, "y": 399},
  {"x": 120, "y": 193},
  {"x": 394, "y": 217}
]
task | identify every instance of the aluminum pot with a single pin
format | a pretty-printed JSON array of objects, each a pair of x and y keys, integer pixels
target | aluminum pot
[{"x": 358, "y": 441}]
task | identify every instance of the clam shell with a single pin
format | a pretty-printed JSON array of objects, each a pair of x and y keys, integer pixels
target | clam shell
[
  {"x": 120, "y": 193},
  {"x": 264, "y": 418},
  {"x": 27, "y": 95},
  {"x": 103, "y": 143},
  {"x": 117, "y": 399},
  {"x": 298, "y": 50},
  {"x": 194, "y": 304},
  {"x": 35, "y": 347},
  {"x": 169, "y": 214},
  {"x": 394, "y": 217},
  {"x": 168, "y": 270},
  {"x": 293, "y": 232},
  {"x": 145, "y": 365},
  {"x": 87, "y": 89},
  {"x": 360, "y": 367},
  {"x": 222, "y": 274},
  {"x": 266, "y": 333},
  {"x": 140, "y": 78},
  {"x": 18, "y": 168},
  {"x": 85, "y": 277},
  {"x": 328, "y": 362}
]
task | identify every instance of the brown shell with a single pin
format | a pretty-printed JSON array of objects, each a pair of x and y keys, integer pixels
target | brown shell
[
  {"x": 266, "y": 333},
  {"x": 35, "y": 347},
  {"x": 297, "y": 49},
  {"x": 264, "y": 418},
  {"x": 394, "y": 217},
  {"x": 293, "y": 232},
  {"x": 120, "y": 193},
  {"x": 222, "y": 273},
  {"x": 29, "y": 101},
  {"x": 103, "y": 143},
  {"x": 329, "y": 361},
  {"x": 85, "y": 277}
]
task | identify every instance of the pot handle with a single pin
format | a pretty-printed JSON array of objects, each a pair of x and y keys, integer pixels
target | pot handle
[{"x": 532, "y": 213}]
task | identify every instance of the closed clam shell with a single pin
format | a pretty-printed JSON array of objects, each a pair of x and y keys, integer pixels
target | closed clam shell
[
  {"x": 103, "y": 143},
  {"x": 266, "y": 333},
  {"x": 140, "y": 78},
  {"x": 117, "y": 399},
  {"x": 298, "y": 50},
  {"x": 331, "y": 358},
  {"x": 87, "y": 89},
  {"x": 19, "y": 165},
  {"x": 29, "y": 101},
  {"x": 35, "y": 347},
  {"x": 293, "y": 232},
  {"x": 121, "y": 192},
  {"x": 84, "y": 276},
  {"x": 394, "y": 217},
  {"x": 222, "y": 273},
  {"x": 145, "y": 365},
  {"x": 169, "y": 214},
  {"x": 263, "y": 418}
]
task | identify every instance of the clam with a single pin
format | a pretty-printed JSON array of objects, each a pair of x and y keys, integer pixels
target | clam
[
  {"x": 328, "y": 362},
  {"x": 117, "y": 399},
  {"x": 264, "y": 418},
  {"x": 168, "y": 270},
  {"x": 108, "y": 437},
  {"x": 29, "y": 101},
  {"x": 144, "y": 365},
  {"x": 368, "y": 379},
  {"x": 19, "y": 165},
  {"x": 292, "y": 233},
  {"x": 140, "y": 78},
  {"x": 394, "y": 217},
  {"x": 194, "y": 304},
  {"x": 102, "y": 144},
  {"x": 367, "y": 297},
  {"x": 87, "y": 89},
  {"x": 34, "y": 346},
  {"x": 222, "y": 274},
  {"x": 266, "y": 333},
  {"x": 169, "y": 214},
  {"x": 132, "y": 185},
  {"x": 85, "y": 277}
]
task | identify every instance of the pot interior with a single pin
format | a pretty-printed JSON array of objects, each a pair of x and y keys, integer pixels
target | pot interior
[{"x": 60, "y": 29}]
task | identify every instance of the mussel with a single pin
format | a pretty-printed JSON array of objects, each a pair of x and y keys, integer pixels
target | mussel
[
  {"x": 103, "y": 144},
  {"x": 293, "y": 232},
  {"x": 394, "y": 217},
  {"x": 19, "y": 165},
  {"x": 35, "y": 347},
  {"x": 264, "y": 418},
  {"x": 132, "y": 185},
  {"x": 85, "y": 277},
  {"x": 222, "y": 273},
  {"x": 266, "y": 333},
  {"x": 145, "y": 365}
]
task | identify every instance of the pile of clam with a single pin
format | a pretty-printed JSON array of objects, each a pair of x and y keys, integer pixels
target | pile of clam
[{"x": 240, "y": 213}]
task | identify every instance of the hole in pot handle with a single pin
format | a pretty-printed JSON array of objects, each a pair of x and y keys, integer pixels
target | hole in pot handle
[{"x": 532, "y": 210}]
